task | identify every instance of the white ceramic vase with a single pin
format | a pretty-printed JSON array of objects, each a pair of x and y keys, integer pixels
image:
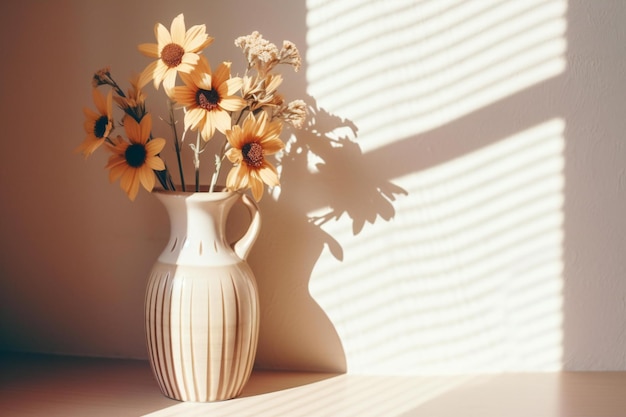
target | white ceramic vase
[{"x": 202, "y": 310}]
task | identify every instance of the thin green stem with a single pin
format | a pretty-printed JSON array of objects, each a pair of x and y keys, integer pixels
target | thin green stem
[
  {"x": 110, "y": 81},
  {"x": 172, "y": 123}
]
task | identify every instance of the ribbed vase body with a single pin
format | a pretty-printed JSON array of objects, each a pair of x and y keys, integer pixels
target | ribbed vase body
[{"x": 201, "y": 309}]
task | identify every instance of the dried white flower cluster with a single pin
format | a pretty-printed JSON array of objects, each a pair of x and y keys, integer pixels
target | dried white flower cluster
[
  {"x": 260, "y": 90},
  {"x": 263, "y": 55}
]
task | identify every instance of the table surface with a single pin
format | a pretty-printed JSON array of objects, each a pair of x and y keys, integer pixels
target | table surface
[{"x": 42, "y": 385}]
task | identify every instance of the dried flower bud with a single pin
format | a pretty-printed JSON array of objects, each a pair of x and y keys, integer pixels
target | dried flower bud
[
  {"x": 101, "y": 77},
  {"x": 260, "y": 53},
  {"x": 134, "y": 103},
  {"x": 261, "y": 91},
  {"x": 290, "y": 55}
]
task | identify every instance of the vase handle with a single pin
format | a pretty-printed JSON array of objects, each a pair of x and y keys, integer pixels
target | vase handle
[{"x": 244, "y": 244}]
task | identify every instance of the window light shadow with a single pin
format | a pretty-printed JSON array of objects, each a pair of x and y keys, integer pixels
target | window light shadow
[{"x": 467, "y": 274}]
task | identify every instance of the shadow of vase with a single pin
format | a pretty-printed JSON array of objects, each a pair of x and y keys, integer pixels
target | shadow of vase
[{"x": 324, "y": 176}]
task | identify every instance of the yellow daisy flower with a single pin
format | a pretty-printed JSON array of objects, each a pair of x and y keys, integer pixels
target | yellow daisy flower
[
  {"x": 250, "y": 143},
  {"x": 98, "y": 125},
  {"x": 176, "y": 50},
  {"x": 208, "y": 98},
  {"x": 134, "y": 161}
]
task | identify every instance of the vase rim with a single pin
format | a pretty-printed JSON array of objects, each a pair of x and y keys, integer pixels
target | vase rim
[
  {"x": 219, "y": 192},
  {"x": 190, "y": 189}
]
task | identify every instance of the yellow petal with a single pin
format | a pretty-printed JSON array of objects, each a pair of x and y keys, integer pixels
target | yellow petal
[
  {"x": 133, "y": 131},
  {"x": 235, "y": 137},
  {"x": 194, "y": 117},
  {"x": 155, "y": 163},
  {"x": 159, "y": 73},
  {"x": 133, "y": 190},
  {"x": 208, "y": 127},
  {"x": 90, "y": 114},
  {"x": 257, "y": 188},
  {"x": 146, "y": 177},
  {"x": 234, "y": 155},
  {"x": 188, "y": 62},
  {"x": 261, "y": 121},
  {"x": 273, "y": 129},
  {"x": 231, "y": 179},
  {"x": 177, "y": 30},
  {"x": 162, "y": 35},
  {"x": 145, "y": 128},
  {"x": 127, "y": 179},
  {"x": 147, "y": 74},
  {"x": 130, "y": 183},
  {"x": 221, "y": 119},
  {"x": 99, "y": 100},
  {"x": 232, "y": 103},
  {"x": 203, "y": 65},
  {"x": 269, "y": 175},
  {"x": 222, "y": 73},
  {"x": 155, "y": 146},
  {"x": 117, "y": 171},
  {"x": 196, "y": 38},
  {"x": 184, "y": 95},
  {"x": 149, "y": 49},
  {"x": 238, "y": 177},
  {"x": 200, "y": 79},
  {"x": 271, "y": 146},
  {"x": 233, "y": 85},
  {"x": 169, "y": 81},
  {"x": 249, "y": 125}
]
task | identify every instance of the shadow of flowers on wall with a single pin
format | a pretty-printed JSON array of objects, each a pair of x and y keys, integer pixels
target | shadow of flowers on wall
[
  {"x": 324, "y": 177},
  {"x": 356, "y": 188}
]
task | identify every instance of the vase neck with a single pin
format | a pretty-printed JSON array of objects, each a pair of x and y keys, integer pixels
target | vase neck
[{"x": 198, "y": 228}]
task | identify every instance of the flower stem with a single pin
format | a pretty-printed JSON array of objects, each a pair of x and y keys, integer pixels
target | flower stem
[
  {"x": 196, "y": 161},
  {"x": 218, "y": 166},
  {"x": 165, "y": 179},
  {"x": 108, "y": 79},
  {"x": 177, "y": 145},
  {"x": 220, "y": 158}
]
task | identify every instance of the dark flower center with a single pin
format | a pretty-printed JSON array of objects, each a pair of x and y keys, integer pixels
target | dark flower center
[
  {"x": 100, "y": 127},
  {"x": 207, "y": 99},
  {"x": 172, "y": 54},
  {"x": 135, "y": 155},
  {"x": 253, "y": 154}
]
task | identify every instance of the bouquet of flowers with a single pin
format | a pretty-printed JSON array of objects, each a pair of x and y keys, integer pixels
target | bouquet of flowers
[{"x": 248, "y": 112}]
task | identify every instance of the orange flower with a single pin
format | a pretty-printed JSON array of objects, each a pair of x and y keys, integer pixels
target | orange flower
[
  {"x": 176, "y": 51},
  {"x": 208, "y": 98},
  {"x": 250, "y": 143},
  {"x": 135, "y": 161},
  {"x": 98, "y": 126}
]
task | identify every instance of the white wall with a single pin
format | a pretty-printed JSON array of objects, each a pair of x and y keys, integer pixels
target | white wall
[{"x": 455, "y": 207}]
